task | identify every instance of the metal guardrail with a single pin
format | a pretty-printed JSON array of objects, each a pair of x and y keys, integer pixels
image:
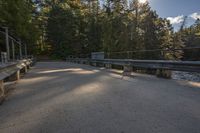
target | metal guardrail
[{"x": 187, "y": 66}]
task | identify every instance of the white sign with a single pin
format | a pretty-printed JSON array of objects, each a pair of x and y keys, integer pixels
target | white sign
[{"x": 98, "y": 55}]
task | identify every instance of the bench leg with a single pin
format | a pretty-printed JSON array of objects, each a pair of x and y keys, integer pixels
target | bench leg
[
  {"x": 2, "y": 92},
  {"x": 28, "y": 66},
  {"x": 15, "y": 76},
  {"x": 25, "y": 69}
]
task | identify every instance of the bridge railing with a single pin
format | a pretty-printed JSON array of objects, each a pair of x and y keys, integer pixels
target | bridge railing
[
  {"x": 187, "y": 66},
  {"x": 15, "y": 48}
]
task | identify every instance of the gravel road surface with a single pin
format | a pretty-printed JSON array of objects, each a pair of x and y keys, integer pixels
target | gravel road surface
[{"x": 58, "y": 97}]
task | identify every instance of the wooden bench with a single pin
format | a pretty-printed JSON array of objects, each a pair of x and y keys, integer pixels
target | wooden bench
[{"x": 11, "y": 72}]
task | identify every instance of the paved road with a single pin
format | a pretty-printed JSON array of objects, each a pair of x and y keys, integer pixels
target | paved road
[{"x": 56, "y": 97}]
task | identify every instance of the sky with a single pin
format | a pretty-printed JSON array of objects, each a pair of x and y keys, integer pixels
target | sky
[{"x": 175, "y": 10}]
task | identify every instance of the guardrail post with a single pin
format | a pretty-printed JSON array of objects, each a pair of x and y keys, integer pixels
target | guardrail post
[
  {"x": 108, "y": 66},
  {"x": 127, "y": 70},
  {"x": 87, "y": 62},
  {"x": 94, "y": 64},
  {"x": 2, "y": 93},
  {"x": 100, "y": 64},
  {"x": 163, "y": 73}
]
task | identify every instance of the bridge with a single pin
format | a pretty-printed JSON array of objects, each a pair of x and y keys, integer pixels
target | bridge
[{"x": 77, "y": 98}]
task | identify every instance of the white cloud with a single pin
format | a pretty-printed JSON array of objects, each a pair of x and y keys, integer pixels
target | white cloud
[
  {"x": 176, "y": 20},
  {"x": 195, "y": 15}
]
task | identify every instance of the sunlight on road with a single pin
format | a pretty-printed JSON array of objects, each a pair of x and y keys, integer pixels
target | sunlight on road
[
  {"x": 74, "y": 70},
  {"x": 37, "y": 79},
  {"x": 60, "y": 70},
  {"x": 195, "y": 84},
  {"x": 88, "y": 88}
]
